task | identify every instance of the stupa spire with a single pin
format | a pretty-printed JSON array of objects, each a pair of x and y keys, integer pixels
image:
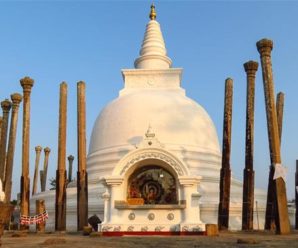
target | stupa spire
[
  {"x": 153, "y": 53},
  {"x": 152, "y": 12}
]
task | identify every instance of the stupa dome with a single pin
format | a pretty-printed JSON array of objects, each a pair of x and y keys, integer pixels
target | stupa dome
[{"x": 175, "y": 118}]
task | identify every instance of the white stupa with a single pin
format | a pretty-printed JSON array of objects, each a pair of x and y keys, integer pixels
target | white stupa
[{"x": 154, "y": 157}]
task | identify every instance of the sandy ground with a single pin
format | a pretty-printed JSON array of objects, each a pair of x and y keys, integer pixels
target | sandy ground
[{"x": 73, "y": 240}]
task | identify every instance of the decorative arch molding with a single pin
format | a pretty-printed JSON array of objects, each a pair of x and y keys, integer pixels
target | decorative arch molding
[{"x": 139, "y": 155}]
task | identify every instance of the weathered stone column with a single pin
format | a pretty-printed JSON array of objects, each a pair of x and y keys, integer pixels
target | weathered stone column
[
  {"x": 27, "y": 83},
  {"x": 38, "y": 150},
  {"x": 280, "y": 195},
  {"x": 41, "y": 179},
  {"x": 225, "y": 172},
  {"x": 40, "y": 208},
  {"x": 47, "y": 151},
  {"x": 16, "y": 100},
  {"x": 6, "y": 106},
  {"x": 296, "y": 195},
  {"x": 82, "y": 178},
  {"x": 280, "y": 99},
  {"x": 250, "y": 68},
  {"x": 60, "y": 207},
  {"x": 1, "y": 120},
  {"x": 270, "y": 210},
  {"x": 270, "y": 214},
  {"x": 70, "y": 162}
]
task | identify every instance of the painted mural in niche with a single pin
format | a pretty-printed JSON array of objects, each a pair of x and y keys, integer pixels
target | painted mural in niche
[{"x": 153, "y": 184}]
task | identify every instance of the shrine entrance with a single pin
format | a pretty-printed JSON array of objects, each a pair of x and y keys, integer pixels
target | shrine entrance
[{"x": 152, "y": 184}]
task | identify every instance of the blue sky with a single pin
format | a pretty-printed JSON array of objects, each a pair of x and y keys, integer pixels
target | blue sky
[{"x": 93, "y": 40}]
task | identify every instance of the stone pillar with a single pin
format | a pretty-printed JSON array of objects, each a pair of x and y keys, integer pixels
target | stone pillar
[
  {"x": 6, "y": 106},
  {"x": 250, "y": 68},
  {"x": 16, "y": 99},
  {"x": 1, "y": 121},
  {"x": 191, "y": 196},
  {"x": 0, "y": 129},
  {"x": 47, "y": 151},
  {"x": 296, "y": 195},
  {"x": 38, "y": 150},
  {"x": 114, "y": 188},
  {"x": 27, "y": 84},
  {"x": 280, "y": 99},
  {"x": 40, "y": 208},
  {"x": 270, "y": 210},
  {"x": 225, "y": 172},
  {"x": 70, "y": 162},
  {"x": 41, "y": 179},
  {"x": 82, "y": 177},
  {"x": 188, "y": 189},
  {"x": 106, "y": 198},
  {"x": 60, "y": 206},
  {"x": 270, "y": 205},
  {"x": 279, "y": 188}
]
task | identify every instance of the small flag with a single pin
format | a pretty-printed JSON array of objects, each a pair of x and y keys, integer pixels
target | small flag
[
  {"x": 280, "y": 171},
  {"x": 36, "y": 219}
]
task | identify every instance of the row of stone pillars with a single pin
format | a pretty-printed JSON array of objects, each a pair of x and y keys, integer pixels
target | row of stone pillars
[
  {"x": 82, "y": 181},
  {"x": 61, "y": 182},
  {"x": 6, "y": 158},
  {"x": 43, "y": 173},
  {"x": 276, "y": 209}
]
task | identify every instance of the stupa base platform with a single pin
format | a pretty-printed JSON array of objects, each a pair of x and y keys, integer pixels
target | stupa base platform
[
  {"x": 116, "y": 234},
  {"x": 152, "y": 229}
]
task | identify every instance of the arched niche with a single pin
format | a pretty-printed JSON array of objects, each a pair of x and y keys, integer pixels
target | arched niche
[{"x": 144, "y": 156}]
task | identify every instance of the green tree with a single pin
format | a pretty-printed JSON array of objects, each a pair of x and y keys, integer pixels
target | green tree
[{"x": 52, "y": 183}]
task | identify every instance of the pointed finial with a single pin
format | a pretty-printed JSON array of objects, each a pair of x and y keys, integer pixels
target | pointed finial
[
  {"x": 149, "y": 133},
  {"x": 152, "y": 12}
]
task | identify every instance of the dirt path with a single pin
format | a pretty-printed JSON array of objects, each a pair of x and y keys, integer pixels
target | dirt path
[{"x": 229, "y": 239}]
